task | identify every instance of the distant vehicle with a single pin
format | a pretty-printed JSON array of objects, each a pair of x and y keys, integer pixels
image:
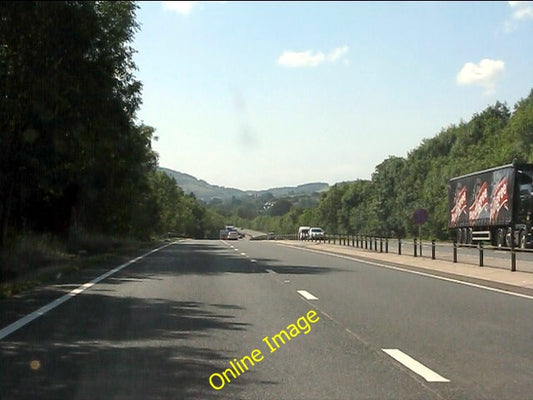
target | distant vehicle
[
  {"x": 241, "y": 234},
  {"x": 316, "y": 233},
  {"x": 223, "y": 234},
  {"x": 271, "y": 235},
  {"x": 233, "y": 235},
  {"x": 303, "y": 232},
  {"x": 494, "y": 204}
]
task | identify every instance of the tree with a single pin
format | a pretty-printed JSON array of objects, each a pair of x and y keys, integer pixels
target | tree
[
  {"x": 71, "y": 151},
  {"x": 280, "y": 207}
]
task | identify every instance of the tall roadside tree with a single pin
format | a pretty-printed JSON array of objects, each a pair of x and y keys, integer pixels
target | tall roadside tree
[{"x": 70, "y": 150}]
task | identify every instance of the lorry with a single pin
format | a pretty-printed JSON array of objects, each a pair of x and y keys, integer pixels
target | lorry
[{"x": 493, "y": 205}]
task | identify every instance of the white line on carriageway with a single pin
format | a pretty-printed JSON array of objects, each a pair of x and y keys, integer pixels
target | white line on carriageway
[
  {"x": 306, "y": 295},
  {"x": 409, "y": 271},
  {"x": 50, "y": 306},
  {"x": 415, "y": 366}
]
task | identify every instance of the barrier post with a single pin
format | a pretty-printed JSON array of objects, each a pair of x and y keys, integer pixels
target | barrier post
[
  {"x": 414, "y": 247},
  {"x": 433, "y": 249},
  {"x": 399, "y": 246},
  {"x": 480, "y": 247},
  {"x": 454, "y": 251}
]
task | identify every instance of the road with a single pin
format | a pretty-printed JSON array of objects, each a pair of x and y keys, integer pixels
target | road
[{"x": 168, "y": 325}]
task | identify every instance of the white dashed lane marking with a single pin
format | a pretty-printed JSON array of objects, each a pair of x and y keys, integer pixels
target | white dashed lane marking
[
  {"x": 426, "y": 373},
  {"x": 306, "y": 295}
]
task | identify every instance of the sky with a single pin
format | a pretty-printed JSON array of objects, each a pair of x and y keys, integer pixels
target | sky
[{"x": 256, "y": 95}]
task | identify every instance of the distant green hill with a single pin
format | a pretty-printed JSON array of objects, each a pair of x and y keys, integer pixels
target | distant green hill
[{"x": 205, "y": 191}]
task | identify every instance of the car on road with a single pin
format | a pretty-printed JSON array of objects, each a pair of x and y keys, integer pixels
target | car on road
[
  {"x": 316, "y": 233},
  {"x": 233, "y": 235}
]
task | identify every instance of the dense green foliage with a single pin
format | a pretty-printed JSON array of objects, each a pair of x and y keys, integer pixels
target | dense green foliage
[
  {"x": 73, "y": 158},
  {"x": 399, "y": 186},
  {"x": 384, "y": 205},
  {"x": 265, "y": 212}
]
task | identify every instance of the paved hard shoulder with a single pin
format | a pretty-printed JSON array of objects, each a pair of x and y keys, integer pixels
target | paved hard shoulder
[{"x": 516, "y": 281}]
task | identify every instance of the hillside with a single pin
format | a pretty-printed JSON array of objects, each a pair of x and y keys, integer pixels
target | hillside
[
  {"x": 205, "y": 191},
  {"x": 201, "y": 189}
]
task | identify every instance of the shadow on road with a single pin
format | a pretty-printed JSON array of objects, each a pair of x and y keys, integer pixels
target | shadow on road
[
  {"x": 92, "y": 352},
  {"x": 214, "y": 258},
  {"x": 195, "y": 258},
  {"x": 112, "y": 347}
]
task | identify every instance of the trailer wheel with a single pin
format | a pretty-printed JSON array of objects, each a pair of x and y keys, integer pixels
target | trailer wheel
[
  {"x": 500, "y": 238},
  {"x": 509, "y": 237},
  {"x": 522, "y": 239}
]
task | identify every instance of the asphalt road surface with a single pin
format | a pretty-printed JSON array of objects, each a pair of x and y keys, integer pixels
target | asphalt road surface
[{"x": 261, "y": 320}]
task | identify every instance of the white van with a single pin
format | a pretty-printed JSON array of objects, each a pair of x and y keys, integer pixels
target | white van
[{"x": 303, "y": 232}]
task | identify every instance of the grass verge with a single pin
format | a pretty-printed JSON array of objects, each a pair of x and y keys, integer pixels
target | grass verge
[{"x": 35, "y": 260}]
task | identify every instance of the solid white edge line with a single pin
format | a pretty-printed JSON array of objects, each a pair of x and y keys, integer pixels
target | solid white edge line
[
  {"x": 50, "y": 306},
  {"x": 306, "y": 295},
  {"x": 415, "y": 366},
  {"x": 427, "y": 274}
]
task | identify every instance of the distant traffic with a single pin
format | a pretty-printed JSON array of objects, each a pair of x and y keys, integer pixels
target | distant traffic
[{"x": 231, "y": 233}]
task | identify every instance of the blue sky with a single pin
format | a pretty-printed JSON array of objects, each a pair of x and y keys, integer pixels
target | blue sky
[{"x": 254, "y": 95}]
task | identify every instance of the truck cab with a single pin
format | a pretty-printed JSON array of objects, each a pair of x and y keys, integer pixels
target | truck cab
[{"x": 524, "y": 207}]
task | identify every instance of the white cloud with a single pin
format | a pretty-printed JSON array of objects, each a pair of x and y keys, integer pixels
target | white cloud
[
  {"x": 338, "y": 53},
  {"x": 485, "y": 74},
  {"x": 311, "y": 58},
  {"x": 182, "y": 7},
  {"x": 521, "y": 11},
  {"x": 301, "y": 58}
]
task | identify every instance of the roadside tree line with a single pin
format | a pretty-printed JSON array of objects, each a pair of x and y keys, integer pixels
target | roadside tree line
[
  {"x": 384, "y": 205},
  {"x": 74, "y": 158}
]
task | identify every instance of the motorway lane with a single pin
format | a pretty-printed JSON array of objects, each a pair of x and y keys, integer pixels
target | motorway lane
[
  {"x": 160, "y": 327},
  {"x": 480, "y": 340}
]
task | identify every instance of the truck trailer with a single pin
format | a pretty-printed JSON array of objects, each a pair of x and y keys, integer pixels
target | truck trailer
[{"x": 493, "y": 205}]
